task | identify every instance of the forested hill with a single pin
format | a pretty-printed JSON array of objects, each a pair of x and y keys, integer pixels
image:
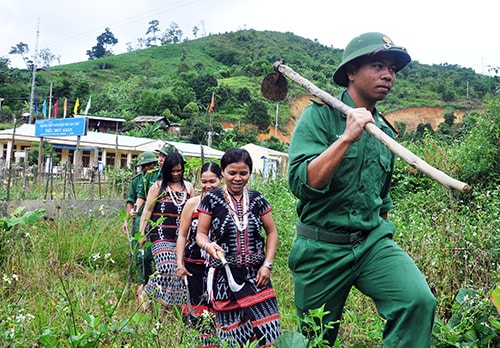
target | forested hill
[{"x": 177, "y": 81}]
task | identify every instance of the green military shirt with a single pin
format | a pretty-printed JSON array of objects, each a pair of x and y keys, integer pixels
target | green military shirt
[
  {"x": 148, "y": 180},
  {"x": 135, "y": 186},
  {"x": 358, "y": 191},
  {"x": 133, "y": 193}
]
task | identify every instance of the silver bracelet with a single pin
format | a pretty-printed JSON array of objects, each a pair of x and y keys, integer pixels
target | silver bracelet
[{"x": 268, "y": 265}]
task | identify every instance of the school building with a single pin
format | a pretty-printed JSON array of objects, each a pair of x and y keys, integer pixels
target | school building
[{"x": 106, "y": 149}]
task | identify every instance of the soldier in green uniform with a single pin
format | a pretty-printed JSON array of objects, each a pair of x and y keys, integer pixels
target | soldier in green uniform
[
  {"x": 341, "y": 176},
  {"x": 135, "y": 205},
  {"x": 154, "y": 174}
]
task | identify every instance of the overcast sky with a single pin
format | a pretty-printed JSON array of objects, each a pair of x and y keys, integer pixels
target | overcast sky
[{"x": 434, "y": 32}]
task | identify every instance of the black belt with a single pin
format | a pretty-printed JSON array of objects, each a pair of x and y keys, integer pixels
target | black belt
[{"x": 338, "y": 237}]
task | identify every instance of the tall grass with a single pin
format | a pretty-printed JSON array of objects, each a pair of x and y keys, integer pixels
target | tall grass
[{"x": 65, "y": 281}]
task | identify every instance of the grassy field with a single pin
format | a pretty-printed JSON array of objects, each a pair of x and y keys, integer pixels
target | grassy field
[{"x": 65, "y": 280}]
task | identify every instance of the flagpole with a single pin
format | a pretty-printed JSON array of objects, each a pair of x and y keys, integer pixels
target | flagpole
[
  {"x": 32, "y": 96},
  {"x": 210, "y": 129},
  {"x": 50, "y": 100},
  {"x": 210, "y": 124}
]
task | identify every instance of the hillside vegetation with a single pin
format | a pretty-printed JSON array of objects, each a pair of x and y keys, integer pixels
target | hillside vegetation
[{"x": 177, "y": 81}]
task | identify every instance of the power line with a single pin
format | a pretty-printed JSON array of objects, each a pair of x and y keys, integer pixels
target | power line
[{"x": 123, "y": 22}]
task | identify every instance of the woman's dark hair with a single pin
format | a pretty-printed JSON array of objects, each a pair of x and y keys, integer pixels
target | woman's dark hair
[
  {"x": 211, "y": 167},
  {"x": 172, "y": 160},
  {"x": 234, "y": 156}
]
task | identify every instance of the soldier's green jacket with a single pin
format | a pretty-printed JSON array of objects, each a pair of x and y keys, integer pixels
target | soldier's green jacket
[
  {"x": 134, "y": 187},
  {"x": 358, "y": 191},
  {"x": 149, "y": 178}
]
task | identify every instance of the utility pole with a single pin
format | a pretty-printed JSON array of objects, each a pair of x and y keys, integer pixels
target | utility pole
[
  {"x": 210, "y": 129},
  {"x": 35, "y": 57}
]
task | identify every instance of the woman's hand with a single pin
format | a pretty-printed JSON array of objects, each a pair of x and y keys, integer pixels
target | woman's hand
[
  {"x": 213, "y": 249},
  {"x": 263, "y": 276},
  {"x": 182, "y": 272}
]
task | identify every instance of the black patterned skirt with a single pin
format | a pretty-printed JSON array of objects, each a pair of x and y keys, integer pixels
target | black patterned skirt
[
  {"x": 164, "y": 285},
  {"x": 248, "y": 315}
]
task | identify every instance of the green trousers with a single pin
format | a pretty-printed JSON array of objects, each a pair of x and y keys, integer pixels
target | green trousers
[
  {"x": 143, "y": 257},
  {"x": 324, "y": 274}
]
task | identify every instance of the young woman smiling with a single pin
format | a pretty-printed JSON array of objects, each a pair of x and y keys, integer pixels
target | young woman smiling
[{"x": 235, "y": 215}]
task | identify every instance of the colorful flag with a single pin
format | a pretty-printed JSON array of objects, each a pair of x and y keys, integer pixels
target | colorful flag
[
  {"x": 56, "y": 108},
  {"x": 212, "y": 104},
  {"x": 88, "y": 106},
  {"x": 44, "y": 109},
  {"x": 36, "y": 111},
  {"x": 75, "y": 109},
  {"x": 65, "y": 107}
]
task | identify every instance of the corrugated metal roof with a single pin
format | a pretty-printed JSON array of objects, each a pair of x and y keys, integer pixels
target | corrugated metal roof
[
  {"x": 103, "y": 118},
  {"x": 149, "y": 118}
]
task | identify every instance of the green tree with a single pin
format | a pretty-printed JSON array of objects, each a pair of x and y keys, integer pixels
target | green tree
[
  {"x": 184, "y": 93},
  {"x": 203, "y": 87},
  {"x": 62, "y": 89},
  {"x": 172, "y": 35},
  {"x": 153, "y": 29},
  {"x": 103, "y": 49},
  {"x": 47, "y": 57},
  {"x": 259, "y": 115},
  {"x": 449, "y": 118},
  {"x": 423, "y": 128},
  {"x": 479, "y": 152},
  {"x": 196, "y": 129},
  {"x": 4, "y": 69},
  {"x": 22, "y": 49},
  {"x": 154, "y": 102},
  {"x": 151, "y": 131},
  {"x": 235, "y": 138},
  {"x": 98, "y": 51},
  {"x": 195, "y": 31},
  {"x": 275, "y": 144},
  {"x": 191, "y": 108},
  {"x": 243, "y": 95}
]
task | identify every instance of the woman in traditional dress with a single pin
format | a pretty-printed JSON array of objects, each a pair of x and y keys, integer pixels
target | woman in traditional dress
[
  {"x": 166, "y": 199},
  {"x": 243, "y": 299},
  {"x": 191, "y": 260}
]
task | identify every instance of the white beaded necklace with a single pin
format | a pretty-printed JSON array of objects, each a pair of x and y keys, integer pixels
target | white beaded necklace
[
  {"x": 178, "y": 202},
  {"x": 241, "y": 220}
]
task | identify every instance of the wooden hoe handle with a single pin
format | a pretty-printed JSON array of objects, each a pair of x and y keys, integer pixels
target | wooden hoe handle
[{"x": 371, "y": 128}]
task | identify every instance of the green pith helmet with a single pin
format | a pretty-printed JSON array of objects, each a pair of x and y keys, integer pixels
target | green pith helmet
[
  {"x": 146, "y": 158},
  {"x": 167, "y": 149},
  {"x": 366, "y": 44}
]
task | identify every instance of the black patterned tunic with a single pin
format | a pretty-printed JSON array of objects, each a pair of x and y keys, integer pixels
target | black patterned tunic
[
  {"x": 195, "y": 263},
  {"x": 164, "y": 285},
  {"x": 252, "y": 313}
]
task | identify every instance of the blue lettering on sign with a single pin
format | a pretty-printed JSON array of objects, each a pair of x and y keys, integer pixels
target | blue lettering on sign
[{"x": 61, "y": 127}]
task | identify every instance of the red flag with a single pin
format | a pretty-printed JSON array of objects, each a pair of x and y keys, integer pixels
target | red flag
[
  {"x": 56, "y": 108},
  {"x": 212, "y": 104}
]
